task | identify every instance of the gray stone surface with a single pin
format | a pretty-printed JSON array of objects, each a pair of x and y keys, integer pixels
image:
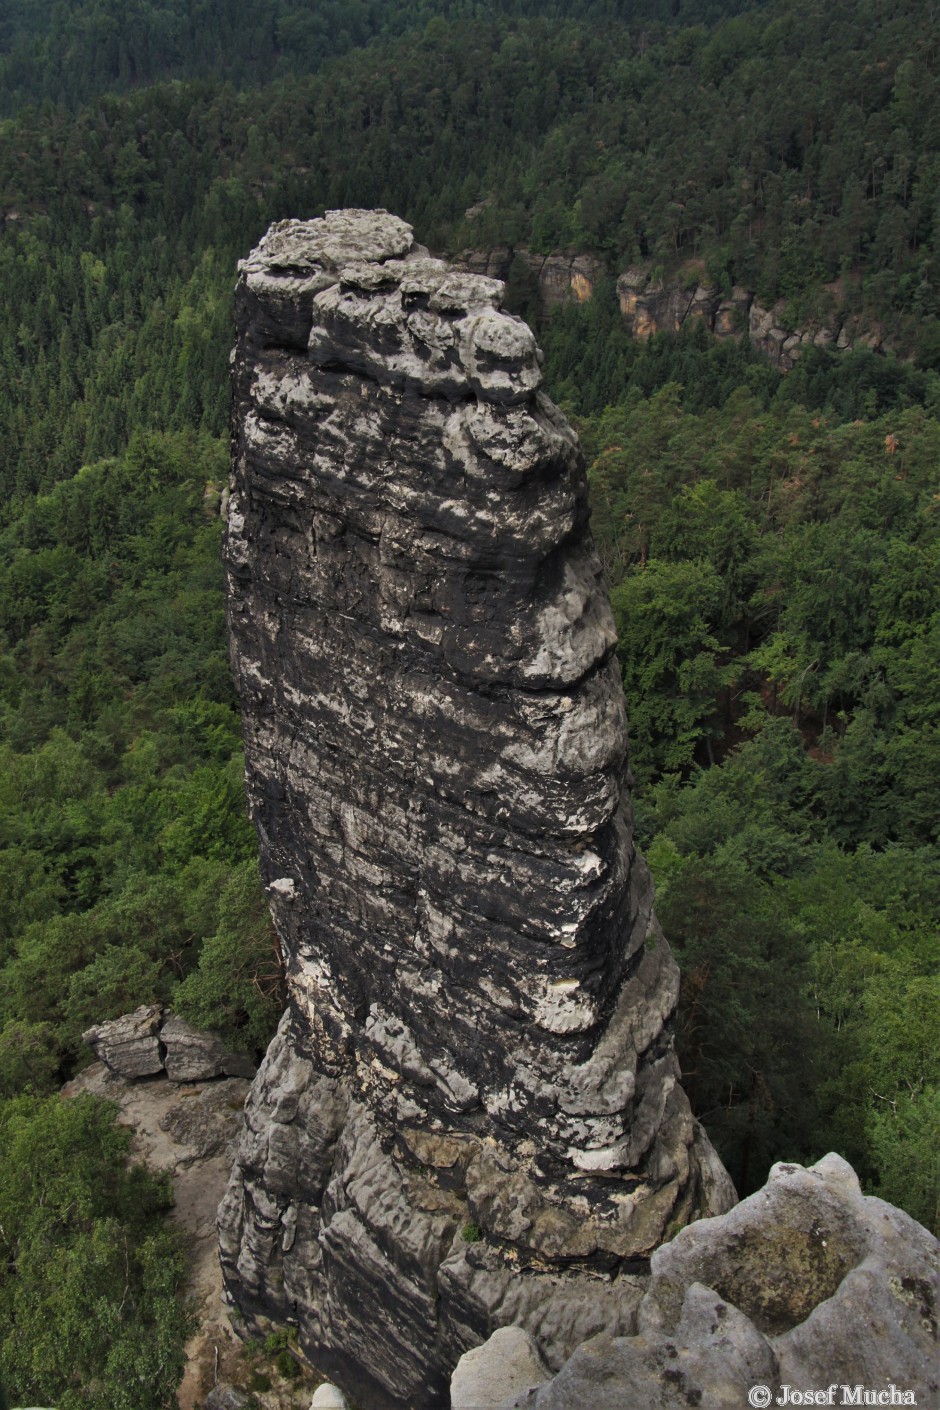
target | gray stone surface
[
  {"x": 194, "y": 1055},
  {"x": 328, "y": 1397},
  {"x": 224, "y": 1397},
  {"x": 206, "y": 1119},
  {"x": 129, "y": 1045},
  {"x": 151, "y": 1040},
  {"x": 471, "y": 1114},
  {"x": 507, "y": 1364},
  {"x": 807, "y": 1283},
  {"x": 712, "y": 1359}
]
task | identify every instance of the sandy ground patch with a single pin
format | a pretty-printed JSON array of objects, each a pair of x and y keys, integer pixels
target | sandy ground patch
[{"x": 186, "y": 1131}]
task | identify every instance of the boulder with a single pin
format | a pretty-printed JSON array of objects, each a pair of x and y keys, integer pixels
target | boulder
[
  {"x": 712, "y": 1359},
  {"x": 505, "y": 1365},
  {"x": 150, "y": 1040},
  {"x": 194, "y": 1055},
  {"x": 130, "y": 1045},
  {"x": 328, "y": 1397},
  {"x": 223, "y": 1397},
  {"x": 806, "y": 1283}
]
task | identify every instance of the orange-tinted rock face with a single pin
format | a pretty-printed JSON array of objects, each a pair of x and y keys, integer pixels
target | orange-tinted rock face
[
  {"x": 656, "y": 307},
  {"x": 559, "y": 279},
  {"x": 651, "y": 305},
  {"x": 581, "y": 287}
]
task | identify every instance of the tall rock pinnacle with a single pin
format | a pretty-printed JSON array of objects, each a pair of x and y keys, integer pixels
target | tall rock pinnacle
[{"x": 471, "y": 1114}]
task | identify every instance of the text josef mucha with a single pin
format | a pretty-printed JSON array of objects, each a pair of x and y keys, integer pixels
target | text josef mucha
[{"x": 762, "y": 1396}]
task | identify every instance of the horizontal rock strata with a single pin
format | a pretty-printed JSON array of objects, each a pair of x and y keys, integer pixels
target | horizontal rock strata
[
  {"x": 151, "y": 1040},
  {"x": 652, "y": 304},
  {"x": 471, "y": 1114}
]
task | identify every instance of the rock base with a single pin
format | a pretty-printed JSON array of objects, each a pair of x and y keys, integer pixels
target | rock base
[{"x": 807, "y": 1283}]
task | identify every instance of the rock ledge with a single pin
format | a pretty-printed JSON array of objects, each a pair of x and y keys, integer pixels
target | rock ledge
[{"x": 807, "y": 1283}]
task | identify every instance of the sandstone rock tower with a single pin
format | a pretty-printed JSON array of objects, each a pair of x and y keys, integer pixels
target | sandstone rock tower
[{"x": 471, "y": 1114}]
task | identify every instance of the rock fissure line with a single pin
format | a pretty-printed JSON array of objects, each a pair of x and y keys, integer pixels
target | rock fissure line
[{"x": 471, "y": 1114}]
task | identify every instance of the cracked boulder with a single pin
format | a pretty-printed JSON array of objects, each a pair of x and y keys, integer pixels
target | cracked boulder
[
  {"x": 129, "y": 1045},
  {"x": 151, "y": 1040}
]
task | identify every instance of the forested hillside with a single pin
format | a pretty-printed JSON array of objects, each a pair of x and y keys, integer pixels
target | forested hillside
[
  {"x": 771, "y": 542},
  {"x": 70, "y": 51}
]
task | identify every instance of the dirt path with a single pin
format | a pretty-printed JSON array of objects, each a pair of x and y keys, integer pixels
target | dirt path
[{"x": 186, "y": 1131}]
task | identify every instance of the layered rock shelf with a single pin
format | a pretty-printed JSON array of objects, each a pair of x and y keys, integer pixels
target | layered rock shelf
[
  {"x": 471, "y": 1116},
  {"x": 652, "y": 304}
]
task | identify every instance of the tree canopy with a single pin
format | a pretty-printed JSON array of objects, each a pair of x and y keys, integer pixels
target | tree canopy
[{"x": 771, "y": 545}]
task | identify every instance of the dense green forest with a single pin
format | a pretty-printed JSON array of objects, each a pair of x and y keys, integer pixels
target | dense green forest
[
  {"x": 75, "y": 49},
  {"x": 771, "y": 544},
  {"x": 123, "y": 220}
]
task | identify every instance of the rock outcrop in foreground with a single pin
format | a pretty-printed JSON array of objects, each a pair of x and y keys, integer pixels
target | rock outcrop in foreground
[
  {"x": 807, "y": 1284},
  {"x": 471, "y": 1114}
]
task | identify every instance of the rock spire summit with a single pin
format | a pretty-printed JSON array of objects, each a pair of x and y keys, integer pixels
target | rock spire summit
[{"x": 471, "y": 1115}]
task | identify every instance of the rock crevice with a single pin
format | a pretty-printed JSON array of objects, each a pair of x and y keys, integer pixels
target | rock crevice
[
  {"x": 471, "y": 1115},
  {"x": 152, "y": 1040}
]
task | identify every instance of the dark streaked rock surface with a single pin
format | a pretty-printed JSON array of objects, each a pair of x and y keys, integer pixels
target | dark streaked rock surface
[{"x": 471, "y": 1115}]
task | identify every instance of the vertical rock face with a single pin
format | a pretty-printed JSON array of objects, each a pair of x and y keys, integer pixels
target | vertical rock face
[{"x": 471, "y": 1114}]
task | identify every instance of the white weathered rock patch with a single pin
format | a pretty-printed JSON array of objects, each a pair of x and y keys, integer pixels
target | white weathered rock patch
[{"x": 436, "y": 749}]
